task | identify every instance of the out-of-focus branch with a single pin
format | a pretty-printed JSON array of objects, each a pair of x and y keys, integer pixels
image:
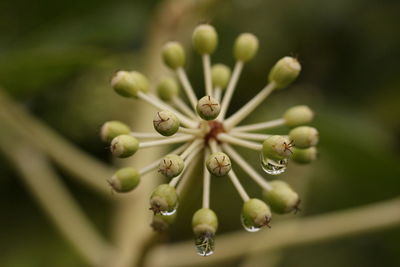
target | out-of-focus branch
[
  {"x": 321, "y": 228},
  {"x": 48, "y": 190},
  {"x": 79, "y": 164}
]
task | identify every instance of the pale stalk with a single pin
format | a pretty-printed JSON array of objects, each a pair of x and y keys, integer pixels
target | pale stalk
[
  {"x": 218, "y": 93},
  {"x": 191, "y": 131},
  {"x": 187, "y": 87},
  {"x": 239, "y": 142},
  {"x": 207, "y": 74},
  {"x": 260, "y": 126},
  {"x": 235, "y": 181},
  {"x": 249, "y": 107},
  {"x": 230, "y": 89},
  {"x": 178, "y": 103},
  {"x": 249, "y": 136},
  {"x": 206, "y": 182},
  {"x": 246, "y": 167},
  {"x": 159, "y": 104},
  {"x": 187, "y": 161},
  {"x": 166, "y": 141}
]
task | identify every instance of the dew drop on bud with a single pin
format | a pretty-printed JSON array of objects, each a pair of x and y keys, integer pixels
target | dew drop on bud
[
  {"x": 273, "y": 167},
  {"x": 204, "y": 244},
  {"x": 169, "y": 212},
  {"x": 247, "y": 227}
]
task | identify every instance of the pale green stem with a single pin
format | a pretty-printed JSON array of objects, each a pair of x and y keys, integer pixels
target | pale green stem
[
  {"x": 207, "y": 74},
  {"x": 289, "y": 233},
  {"x": 192, "y": 131},
  {"x": 246, "y": 167},
  {"x": 260, "y": 126},
  {"x": 194, "y": 145},
  {"x": 159, "y": 104},
  {"x": 183, "y": 107},
  {"x": 238, "y": 186},
  {"x": 218, "y": 93},
  {"x": 187, "y": 87},
  {"x": 152, "y": 135},
  {"x": 230, "y": 89},
  {"x": 249, "y": 136},
  {"x": 187, "y": 161},
  {"x": 242, "y": 113},
  {"x": 188, "y": 173},
  {"x": 166, "y": 141},
  {"x": 237, "y": 141},
  {"x": 206, "y": 182}
]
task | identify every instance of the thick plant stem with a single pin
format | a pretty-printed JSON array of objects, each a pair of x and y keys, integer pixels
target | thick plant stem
[
  {"x": 57, "y": 202},
  {"x": 80, "y": 165},
  {"x": 292, "y": 233},
  {"x": 206, "y": 183}
]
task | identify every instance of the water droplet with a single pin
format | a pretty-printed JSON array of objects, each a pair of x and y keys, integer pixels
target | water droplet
[
  {"x": 249, "y": 227},
  {"x": 169, "y": 212},
  {"x": 205, "y": 244},
  {"x": 273, "y": 167}
]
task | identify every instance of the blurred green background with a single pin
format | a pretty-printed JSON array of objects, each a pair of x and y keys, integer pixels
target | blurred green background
[{"x": 56, "y": 58}]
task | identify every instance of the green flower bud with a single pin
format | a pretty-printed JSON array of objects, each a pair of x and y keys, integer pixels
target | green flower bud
[
  {"x": 255, "y": 214},
  {"x": 174, "y": 55},
  {"x": 166, "y": 123},
  {"x": 164, "y": 200},
  {"x": 112, "y": 129},
  {"x": 277, "y": 147},
  {"x": 171, "y": 165},
  {"x": 128, "y": 84},
  {"x": 246, "y": 46},
  {"x": 220, "y": 75},
  {"x": 281, "y": 198},
  {"x": 124, "y": 146},
  {"x": 204, "y": 221},
  {"x": 304, "y": 136},
  {"x": 205, "y": 39},
  {"x": 219, "y": 164},
  {"x": 285, "y": 72},
  {"x": 124, "y": 180},
  {"x": 167, "y": 89},
  {"x": 161, "y": 222},
  {"x": 304, "y": 156},
  {"x": 208, "y": 108},
  {"x": 298, "y": 115}
]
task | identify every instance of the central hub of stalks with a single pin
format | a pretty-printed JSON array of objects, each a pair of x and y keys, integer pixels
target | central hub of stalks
[{"x": 215, "y": 127}]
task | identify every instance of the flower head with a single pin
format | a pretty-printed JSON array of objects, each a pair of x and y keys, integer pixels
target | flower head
[{"x": 203, "y": 128}]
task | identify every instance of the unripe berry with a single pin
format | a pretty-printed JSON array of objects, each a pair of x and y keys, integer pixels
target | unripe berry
[
  {"x": 173, "y": 55},
  {"x": 164, "y": 200},
  {"x": 255, "y": 214},
  {"x": 298, "y": 115},
  {"x": 204, "y": 221},
  {"x": 124, "y": 146},
  {"x": 171, "y": 165},
  {"x": 281, "y": 198},
  {"x": 128, "y": 84},
  {"x": 205, "y": 39},
  {"x": 112, "y": 129},
  {"x": 161, "y": 222},
  {"x": 285, "y": 72},
  {"x": 208, "y": 108},
  {"x": 246, "y": 46},
  {"x": 125, "y": 180},
  {"x": 167, "y": 89},
  {"x": 277, "y": 147},
  {"x": 304, "y": 136},
  {"x": 220, "y": 75},
  {"x": 304, "y": 156},
  {"x": 219, "y": 164},
  {"x": 166, "y": 123}
]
